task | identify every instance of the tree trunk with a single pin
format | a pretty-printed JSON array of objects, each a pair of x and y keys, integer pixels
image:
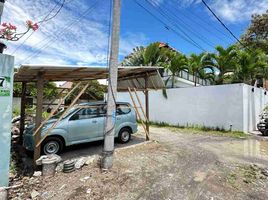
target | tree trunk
[
  {"x": 195, "y": 79},
  {"x": 172, "y": 81}
]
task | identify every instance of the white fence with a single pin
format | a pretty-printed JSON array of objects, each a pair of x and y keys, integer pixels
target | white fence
[{"x": 234, "y": 106}]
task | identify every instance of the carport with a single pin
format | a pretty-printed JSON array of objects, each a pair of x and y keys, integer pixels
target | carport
[{"x": 130, "y": 79}]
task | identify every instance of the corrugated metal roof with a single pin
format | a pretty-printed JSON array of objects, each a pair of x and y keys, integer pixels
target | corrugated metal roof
[{"x": 132, "y": 77}]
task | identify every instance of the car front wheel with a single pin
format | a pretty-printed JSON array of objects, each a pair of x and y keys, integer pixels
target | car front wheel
[
  {"x": 52, "y": 145},
  {"x": 124, "y": 135}
]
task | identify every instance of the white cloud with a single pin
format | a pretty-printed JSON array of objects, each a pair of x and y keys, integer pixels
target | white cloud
[
  {"x": 233, "y": 10},
  {"x": 239, "y": 10},
  {"x": 84, "y": 42}
]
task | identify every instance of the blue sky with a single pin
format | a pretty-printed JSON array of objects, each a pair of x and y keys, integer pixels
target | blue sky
[{"x": 74, "y": 38}]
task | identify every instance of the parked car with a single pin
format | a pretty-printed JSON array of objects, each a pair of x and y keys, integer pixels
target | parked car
[
  {"x": 263, "y": 127},
  {"x": 83, "y": 123},
  {"x": 263, "y": 124}
]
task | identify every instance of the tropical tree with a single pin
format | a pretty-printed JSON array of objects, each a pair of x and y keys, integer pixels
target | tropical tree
[
  {"x": 136, "y": 58},
  {"x": 50, "y": 90},
  {"x": 250, "y": 67},
  {"x": 256, "y": 36},
  {"x": 152, "y": 55},
  {"x": 224, "y": 60},
  {"x": 199, "y": 64},
  {"x": 176, "y": 64}
]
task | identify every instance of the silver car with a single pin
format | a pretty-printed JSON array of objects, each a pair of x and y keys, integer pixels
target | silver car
[{"x": 83, "y": 123}]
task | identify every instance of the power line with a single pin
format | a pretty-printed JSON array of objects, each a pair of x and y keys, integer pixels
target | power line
[
  {"x": 42, "y": 21},
  {"x": 56, "y": 13},
  {"x": 202, "y": 23},
  {"x": 185, "y": 36},
  {"x": 201, "y": 19},
  {"x": 221, "y": 22},
  {"x": 181, "y": 23},
  {"x": 51, "y": 36}
]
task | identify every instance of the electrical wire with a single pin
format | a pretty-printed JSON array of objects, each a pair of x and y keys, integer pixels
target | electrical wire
[
  {"x": 180, "y": 22},
  {"x": 185, "y": 36},
  {"x": 203, "y": 21},
  {"x": 51, "y": 37},
  {"x": 42, "y": 21},
  {"x": 53, "y": 16},
  {"x": 189, "y": 22},
  {"x": 222, "y": 22}
]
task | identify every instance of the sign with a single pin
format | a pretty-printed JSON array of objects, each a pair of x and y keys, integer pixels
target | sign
[
  {"x": 6, "y": 88},
  {"x": 5, "y": 85}
]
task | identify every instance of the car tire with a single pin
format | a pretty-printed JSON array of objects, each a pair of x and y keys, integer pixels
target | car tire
[
  {"x": 265, "y": 133},
  {"x": 52, "y": 145},
  {"x": 124, "y": 135}
]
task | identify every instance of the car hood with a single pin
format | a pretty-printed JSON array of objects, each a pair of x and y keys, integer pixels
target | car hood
[{"x": 30, "y": 128}]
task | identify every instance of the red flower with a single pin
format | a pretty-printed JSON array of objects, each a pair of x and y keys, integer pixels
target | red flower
[
  {"x": 32, "y": 25},
  {"x": 35, "y": 27}
]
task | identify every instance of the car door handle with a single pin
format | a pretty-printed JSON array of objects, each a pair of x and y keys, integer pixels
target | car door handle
[
  {"x": 118, "y": 118},
  {"x": 94, "y": 121}
]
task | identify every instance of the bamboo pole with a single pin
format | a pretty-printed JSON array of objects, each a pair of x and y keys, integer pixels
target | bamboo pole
[
  {"x": 145, "y": 117},
  {"x": 60, "y": 118},
  {"x": 55, "y": 109},
  {"x": 134, "y": 103}
]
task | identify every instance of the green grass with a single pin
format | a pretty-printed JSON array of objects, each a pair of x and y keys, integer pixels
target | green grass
[
  {"x": 13, "y": 168},
  {"x": 196, "y": 129}
]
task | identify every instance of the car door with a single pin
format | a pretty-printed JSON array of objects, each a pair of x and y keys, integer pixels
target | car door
[{"x": 83, "y": 126}]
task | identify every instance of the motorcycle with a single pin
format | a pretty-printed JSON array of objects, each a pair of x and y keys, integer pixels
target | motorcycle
[{"x": 263, "y": 124}]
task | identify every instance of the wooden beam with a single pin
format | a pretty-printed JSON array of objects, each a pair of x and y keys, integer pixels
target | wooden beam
[
  {"x": 145, "y": 117},
  {"x": 54, "y": 110},
  {"x": 138, "y": 113},
  {"x": 39, "y": 109},
  {"x": 147, "y": 105},
  {"x": 54, "y": 99},
  {"x": 63, "y": 114},
  {"x": 22, "y": 110}
]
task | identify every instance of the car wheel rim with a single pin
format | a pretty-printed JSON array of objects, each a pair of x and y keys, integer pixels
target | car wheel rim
[
  {"x": 51, "y": 147},
  {"x": 125, "y": 136}
]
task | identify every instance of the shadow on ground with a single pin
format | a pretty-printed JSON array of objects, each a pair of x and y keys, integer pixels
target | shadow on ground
[{"x": 92, "y": 148}]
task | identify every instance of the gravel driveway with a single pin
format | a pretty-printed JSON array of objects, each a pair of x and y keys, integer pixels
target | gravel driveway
[{"x": 174, "y": 166}]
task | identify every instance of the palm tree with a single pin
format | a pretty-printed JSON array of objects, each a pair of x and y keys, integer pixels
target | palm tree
[
  {"x": 250, "y": 67},
  {"x": 224, "y": 60},
  {"x": 136, "y": 58},
  {"x": 178, "y": 62},
  {"x": 199, "y": 64},
  {"x": 152, "y": 55}
]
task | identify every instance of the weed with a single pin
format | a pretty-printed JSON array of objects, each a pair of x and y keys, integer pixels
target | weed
[{"x": 197, "y": 129}]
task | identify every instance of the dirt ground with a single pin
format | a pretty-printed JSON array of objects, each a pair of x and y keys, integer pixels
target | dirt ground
[{"x": 174, "y": 166}]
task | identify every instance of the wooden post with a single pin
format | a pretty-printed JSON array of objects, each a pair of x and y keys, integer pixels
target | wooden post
[
  {"x": 147, "y": 106},
  {"x": 22, "y": 110},
  {"x": 60, "y": 118},
  {"x": 38, "y": 117},
  {"x": 55, "y": 110},
  {"x": 138, "y": 113}
]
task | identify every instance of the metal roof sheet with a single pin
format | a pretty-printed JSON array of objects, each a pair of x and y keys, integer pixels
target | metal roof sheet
[{"x": 132, "y": 77}]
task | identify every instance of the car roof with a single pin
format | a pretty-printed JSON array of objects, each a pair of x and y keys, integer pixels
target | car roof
[{"x": 98, "y": 103}]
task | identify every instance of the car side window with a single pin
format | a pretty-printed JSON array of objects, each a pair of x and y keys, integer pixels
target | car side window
[
  {"x": 87, "y": 113},
  {"x": 122, "y": 109}
]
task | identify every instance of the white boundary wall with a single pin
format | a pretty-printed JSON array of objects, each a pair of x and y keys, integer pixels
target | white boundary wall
[{"x": 212, "y": 106}]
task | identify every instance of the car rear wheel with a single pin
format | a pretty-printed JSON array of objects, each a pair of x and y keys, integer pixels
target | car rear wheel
[
  {"x": 52, "y": 145},
  {"x": 265, "y": 133},
  {"x": 124, "y": 135}
]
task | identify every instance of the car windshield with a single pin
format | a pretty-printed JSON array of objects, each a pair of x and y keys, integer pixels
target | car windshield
[{"x": 72, "y": 110}]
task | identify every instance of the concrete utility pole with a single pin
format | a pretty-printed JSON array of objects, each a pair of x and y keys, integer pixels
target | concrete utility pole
[{"x": 108, "y": 150}]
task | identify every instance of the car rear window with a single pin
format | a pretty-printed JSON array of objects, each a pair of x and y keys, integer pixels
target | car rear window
[{"x": 122, "y": 109}]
